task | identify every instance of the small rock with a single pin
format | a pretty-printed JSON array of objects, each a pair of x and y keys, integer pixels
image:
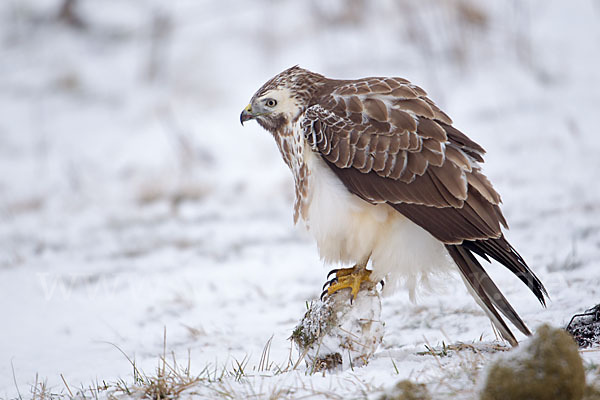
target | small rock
[{"x": 546, "y": 367}]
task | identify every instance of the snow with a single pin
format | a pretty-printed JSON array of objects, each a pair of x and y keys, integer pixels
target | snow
[{"x": 131, "y": 200}]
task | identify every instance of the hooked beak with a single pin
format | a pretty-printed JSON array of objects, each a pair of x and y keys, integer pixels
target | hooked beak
[{"x": 246, "y": 114}]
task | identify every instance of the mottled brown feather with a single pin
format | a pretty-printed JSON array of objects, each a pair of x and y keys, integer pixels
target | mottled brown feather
[
  {"x": 414, "y": 142},
  {"x": 368, "y": 165},
  {"x": 347, "y": 90},
  {"x": 437, "y": 113},
  {"x": 417, "y": 164},
  {"x": 344, "y": 154},
  {"x": 379, "y": 161},
  {"x": 383, "y": 144},
  {"x": 356, "y": 117},
  {"x": 380, "y": 87},
  {"x": 399, "y": 166},
  {"x": 334, "y": 154},
  {"x": 418, "y": 90},
  {"x": 363, "y": 88},
  {"x": 453, "y": 178},
  {"x": 435, "y": 146},
  {"x": 430, "y": 129},
  {"x": 417, "y": 106},
  {"x": 354, "y": 104},
  {"x": 360, "y": 159},
  {"x": 391, "y": 159},
  {"x": 444, "y": 192},
  {"x": 402, "y": 120},
  {"x": 483, "y": 186},
  {"x": 376, "y": 109},
  {"x": 404, "y": 92},
  {"x": 463, "y": 142},
  {"x": 404, "y": 139},
  {"x": 458, "y": 157},
  {"x": 433, "y": 158}
]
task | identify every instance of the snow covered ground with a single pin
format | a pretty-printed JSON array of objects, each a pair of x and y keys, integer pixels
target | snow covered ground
[{"x": 132, "y": 201}]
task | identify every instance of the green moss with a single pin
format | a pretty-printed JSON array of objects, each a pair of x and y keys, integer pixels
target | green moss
[
  {"x": 302, "y": 336},
  {"x": 407, "y": 390},
  {"x": 317, "y": 321},
  {"x": 547, "y": 368}
]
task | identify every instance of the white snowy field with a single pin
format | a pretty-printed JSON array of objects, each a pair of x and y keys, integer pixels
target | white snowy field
[{"x": 133, "y": 202}]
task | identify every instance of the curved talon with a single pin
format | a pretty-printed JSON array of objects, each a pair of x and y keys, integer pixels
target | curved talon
[
  {"x": 323, "y": 294},
  {"x": 333, "y": 271},
  {"x": 382, "y": 283},
  {"x": 351, "y": 278},
  {"x": 330, "y": 282}
]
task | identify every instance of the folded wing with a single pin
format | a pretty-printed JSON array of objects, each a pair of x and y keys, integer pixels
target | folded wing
[{"x": 389, "y": 143}]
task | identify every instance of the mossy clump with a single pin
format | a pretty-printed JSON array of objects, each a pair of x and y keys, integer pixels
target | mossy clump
[
  {"x": 547, "y": 367},
  {"x": 335, "y": 334},
  {"x": 591, "y": 393},
  {"x": 317, "y": 320},
  {"x": 407, "y": 390}
]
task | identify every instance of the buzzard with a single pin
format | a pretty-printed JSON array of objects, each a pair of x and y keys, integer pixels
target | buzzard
[{"x": 382, "y": 176}]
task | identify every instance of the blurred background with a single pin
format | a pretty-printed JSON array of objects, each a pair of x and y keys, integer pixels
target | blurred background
[{"x": 131, "y": 199}]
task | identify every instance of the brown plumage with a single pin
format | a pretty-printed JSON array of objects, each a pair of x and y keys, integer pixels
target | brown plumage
[{"x": 391, "y": 146}]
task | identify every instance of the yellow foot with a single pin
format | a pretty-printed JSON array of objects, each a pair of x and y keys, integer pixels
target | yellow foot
[{"x": 347, "y": 278}]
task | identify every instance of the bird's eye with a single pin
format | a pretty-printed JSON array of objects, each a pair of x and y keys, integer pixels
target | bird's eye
[{"x": 271, "y": 103}]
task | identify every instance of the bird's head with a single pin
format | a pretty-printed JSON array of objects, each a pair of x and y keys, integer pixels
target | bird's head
[
  {"x": 281, "y": 99},
  {"x": 272, "y": 108}
]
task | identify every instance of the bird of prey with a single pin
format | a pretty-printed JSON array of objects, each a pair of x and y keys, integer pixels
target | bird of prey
[{"x": 382, "y": 176}]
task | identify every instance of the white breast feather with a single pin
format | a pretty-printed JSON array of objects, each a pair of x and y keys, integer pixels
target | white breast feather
[{"x": 347, "y": 229}]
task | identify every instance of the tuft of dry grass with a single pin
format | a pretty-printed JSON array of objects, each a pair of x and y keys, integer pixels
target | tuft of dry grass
[
  {"x": 41, "y": 391},
  {"x": 476, "y": 348},
  {"x": 459, "y": 365},
  {"x": 454, "y": 378},
  {"x": 169, "y": 381},
  {"x": 229, "y": 380}
]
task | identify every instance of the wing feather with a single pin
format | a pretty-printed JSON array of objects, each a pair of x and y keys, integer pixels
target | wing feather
[
  {"x": 376, "y": 109},
  {"x": 417, "y": 106},
  {"x": 428, "y": 128},
  {"x": 402, "y": 120}
]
